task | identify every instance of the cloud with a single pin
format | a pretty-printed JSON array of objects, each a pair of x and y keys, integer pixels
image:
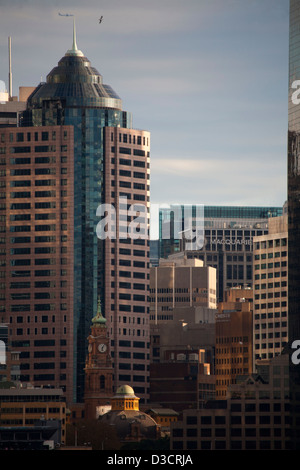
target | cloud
[{"x": 218, "y": 181}]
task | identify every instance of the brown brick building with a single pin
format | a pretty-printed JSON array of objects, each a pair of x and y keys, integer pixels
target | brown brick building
[{"x": 234, "y": 338}]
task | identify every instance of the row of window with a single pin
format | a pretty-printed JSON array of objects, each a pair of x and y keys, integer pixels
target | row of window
[
  {"x": 37, "y": 228},
  {"x": 270, "y": 275},
  {"x": 127, "y": 184},
  {"x": 38, "y": 250},
  {"x": 270, "y": 315},
  {"x": 37, "y": 296},
  {"x": 37, "y": 149},
  {"x": 271, "y": 295},
  {"x": 131, "y": 332},
  {"x": 37, "y": 343},
  {"x": 37, "y": 205},
  {"x": 42, "y": 272},
  {"x": 134, "y": 378},
  {"x": 27, "y": 183},
  {"x": 277, "y": 345},
  {"x": 270, "y": 285},
  {"x": 271, "y": 325},
  {"x": 270, "y": 335},
  {"x": 264, "y": 306},
  {"x": 37, "y": 284},
  {"x": 270, "y": 244},
  {"x": 39, "y": 331},
  {"x": 37, "y": 171},
  {"x": 37, "y": 136},
  {"x": 27, "y": 194},
  {"x": 37, "y": 307},
  {"x": 129, "y": 196},
  {"x": 40, "y": 239},
  {"x": 127, "y": 162},
  {"x": 127, "y": 151},
  {"x": 31, "y": 410},
  {"x": 263, "y": 266},
  {"x": 129, "y": 138},
  {"x": 27, "y": 160}
]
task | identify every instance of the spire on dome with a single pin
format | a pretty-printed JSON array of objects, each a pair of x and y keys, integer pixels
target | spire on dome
[
  {"x": 74, "y": 51},
  {"x": 99, "y": 319}
]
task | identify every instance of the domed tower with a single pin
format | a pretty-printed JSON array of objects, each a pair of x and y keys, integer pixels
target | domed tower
[
  {"x": 130, "y": 423},
  {"x": 110, "y": 163},
  {"x": 98, "y": 368}
]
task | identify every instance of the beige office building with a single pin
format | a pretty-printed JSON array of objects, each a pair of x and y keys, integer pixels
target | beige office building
[
  {"x": 271, "y": 290},
  {"x": 180, "y": 282}
]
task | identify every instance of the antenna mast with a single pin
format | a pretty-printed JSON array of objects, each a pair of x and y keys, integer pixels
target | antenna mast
[{"x": 9, "y": 70}]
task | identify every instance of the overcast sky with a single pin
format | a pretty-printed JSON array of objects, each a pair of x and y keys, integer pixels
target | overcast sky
[{"x": 207, "y": 78}]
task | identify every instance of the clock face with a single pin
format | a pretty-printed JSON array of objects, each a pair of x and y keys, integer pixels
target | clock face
[{"x": 102, "y": 347}]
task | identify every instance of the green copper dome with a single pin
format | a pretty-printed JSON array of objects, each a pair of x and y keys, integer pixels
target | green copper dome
[{"x": 99, "y": 319}]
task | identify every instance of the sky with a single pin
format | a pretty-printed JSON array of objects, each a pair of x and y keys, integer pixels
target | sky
[{"x": 207, "y": 78}]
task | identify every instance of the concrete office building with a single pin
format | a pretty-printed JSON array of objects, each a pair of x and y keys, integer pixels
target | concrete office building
[
  {"x": 270, "y": 300},
  {"x": 179, "y": 282}
]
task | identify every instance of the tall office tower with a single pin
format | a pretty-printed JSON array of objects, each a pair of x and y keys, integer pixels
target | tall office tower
[
  {"x": 74, "y": 95},
  {"x": 225, "y": 243},
  {"x": 36, "y": 250},
  {"x": 294, "y": 207},
  {"x": 127, "y": 255},
  {"x": 270, "y": 297}
]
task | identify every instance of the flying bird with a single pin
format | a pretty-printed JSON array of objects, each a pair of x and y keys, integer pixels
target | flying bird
[{"x": 100, "y": 19}]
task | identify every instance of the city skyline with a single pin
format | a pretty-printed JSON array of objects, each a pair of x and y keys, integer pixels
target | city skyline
[{"x": 177, "y": 67}]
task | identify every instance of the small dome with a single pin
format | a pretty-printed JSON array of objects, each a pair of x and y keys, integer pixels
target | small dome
[{"x": 125, "y": 390}]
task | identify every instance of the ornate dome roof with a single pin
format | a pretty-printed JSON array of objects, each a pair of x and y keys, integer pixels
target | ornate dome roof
[
  {"x": 99, "y": 319},
  {"x": 76, "y": 82}
]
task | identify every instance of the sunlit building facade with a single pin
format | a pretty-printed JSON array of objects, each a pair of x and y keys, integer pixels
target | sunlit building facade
[{"x": 108, "y": 160}]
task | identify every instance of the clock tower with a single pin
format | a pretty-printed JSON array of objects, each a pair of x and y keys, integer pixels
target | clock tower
[{"x": 98, "y": 369}]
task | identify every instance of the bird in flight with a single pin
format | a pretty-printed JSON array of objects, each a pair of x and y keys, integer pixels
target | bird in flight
[{"x": 100, "y": 19}]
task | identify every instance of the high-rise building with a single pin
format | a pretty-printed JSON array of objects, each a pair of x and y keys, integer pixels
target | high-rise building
[
  {"x": 225, "y": 238},
  {"x": 95, "y": 159},
  {"x": 294, "y": 208},
  {"x": 270, "y": 298}
]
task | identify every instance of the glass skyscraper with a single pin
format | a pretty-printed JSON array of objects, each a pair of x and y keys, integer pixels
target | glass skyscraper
[
  {"x": 75, "y": 95},
  {"x": 294, "y": 210}
]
